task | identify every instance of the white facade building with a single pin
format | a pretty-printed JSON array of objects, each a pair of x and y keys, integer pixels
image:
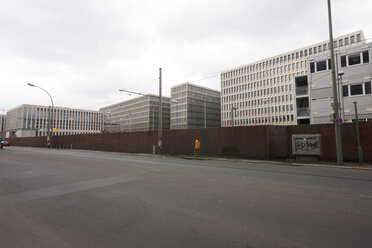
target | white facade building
[
  {"x": 32, "y": 120},
  {"x": 138, "y": 114},
  {"x": 314, "y": 92},
  {"x": 263, "y": 92}
]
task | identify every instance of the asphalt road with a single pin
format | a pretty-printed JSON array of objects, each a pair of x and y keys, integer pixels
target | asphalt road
[{"x": 63, "y": 198}]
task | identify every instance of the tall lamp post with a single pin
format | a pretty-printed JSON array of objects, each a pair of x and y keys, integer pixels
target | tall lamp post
[
  {"x": 334, "y": 89},
  {"x": 50, "y": 116}
]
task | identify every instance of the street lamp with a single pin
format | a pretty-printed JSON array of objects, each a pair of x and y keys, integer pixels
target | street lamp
[{"x": 50, "y": 116}]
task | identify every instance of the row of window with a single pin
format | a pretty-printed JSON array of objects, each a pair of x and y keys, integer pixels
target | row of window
[
  {"x": 259, "y": 102},
  {"x": 260, "y": 111},
  {"x": 355, "y": 59},
  {"x": 263, "y": 120},
  {"x": 320, "y": 66},
  {"x": 357, "y": 89},
  {"x": 296, "y": 55},
  {"x": 265, "y": 74}
]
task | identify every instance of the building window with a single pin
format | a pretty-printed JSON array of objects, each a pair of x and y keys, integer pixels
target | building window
[
  {"x": 367, "y": 88},
  {"x": 324, "y": 47},
  {"x": 341, "y": 43},
  {"x": 354, "y": 59},
  {"x": 310, "y": 51},
  {"x": 305, "y": 52},
  {"x": 343, "y": 61},
  {"x": 321, "y": 66},
  {"x": 315, "y": 51},
  {"x": 301, "y": 54},
  {"x": 346, "y": 41},
  {"x": 356, "y": 89},
  {"x": 335, "y": 44},
  {"x": 352, "y": 39},
  {"x": 319, "y": 48},
  {"x": 365, "y": 57},
  {"x": 345, "y": 90},
  {"x": 329, "y": 64},
  {"x": 358, "y": 37}
]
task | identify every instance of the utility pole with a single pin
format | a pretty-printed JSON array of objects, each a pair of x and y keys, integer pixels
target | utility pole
[
  {"x": 334, "y": 88},
  {"x": 160, "y": 133},
  {"x": 360, "y": 150}
]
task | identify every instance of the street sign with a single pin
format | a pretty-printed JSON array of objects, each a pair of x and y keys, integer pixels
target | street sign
[{"x": 338, "y": 121}]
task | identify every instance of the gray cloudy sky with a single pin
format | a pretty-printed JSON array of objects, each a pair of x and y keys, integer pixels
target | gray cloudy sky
[{"x": 83, "y": 51}]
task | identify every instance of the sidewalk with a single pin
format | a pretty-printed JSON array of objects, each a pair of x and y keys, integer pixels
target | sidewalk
[{"x": 324, "y": 164}]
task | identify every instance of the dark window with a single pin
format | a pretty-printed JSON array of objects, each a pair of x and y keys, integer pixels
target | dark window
[
  {"x": 297, "y": 55},
  {"x": 345, "y": 90},
  {"x": 315, "y": 50},
  {"x": 305, "y": 52},
  {"x": 324, "y": 47},
  {"x": 310, "y": 51},
  {"x": 301, "y": 54},
  {"x": 321, "y": 65},
  {"x": 319, "y": 48},
  {"x": 358, "y": 37},
  {"x": 341, "y": 43},
  {"x": 368, "y": 87},
  {"x": 312, "y": 67},
  {"x": 365, "y": 57},
  {"x": 346, "y": 41},
  {"x": 356, "y": 89},
  {"x": 335, "y": 44},
  {"x": 343, "y": 61},
  {"x": 354, "y": 59},
  {"x": 329, "y": 64},
  {"x": 352, "y": 39}
]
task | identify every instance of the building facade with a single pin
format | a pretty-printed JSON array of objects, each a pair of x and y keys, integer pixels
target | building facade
[
  {"x": 2, "y": 125},
  {"x": 32, "y": 120},
  {"x": 193, "y": 106},
  {"x": 314, "y": 95},
  {"x": 138, "y": 114},
  {"x": 263, "y": 92}
]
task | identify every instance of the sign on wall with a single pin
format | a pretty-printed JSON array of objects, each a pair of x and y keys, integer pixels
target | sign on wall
[{"x": 307, "y": 144}]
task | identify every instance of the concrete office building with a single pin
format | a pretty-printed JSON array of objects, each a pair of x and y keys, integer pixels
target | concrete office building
[
  {"x": 138, "y": 114},
  {"x": 263, "y": 92},
  {"x": 32, "y": 120},
  {"x": 314, "y": 95},
  {"x": 194, "y": 106},
  {"x": 2, "y": 125}
]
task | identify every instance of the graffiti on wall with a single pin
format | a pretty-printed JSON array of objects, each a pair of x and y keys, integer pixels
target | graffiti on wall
[{"x": 306, "y": 144}]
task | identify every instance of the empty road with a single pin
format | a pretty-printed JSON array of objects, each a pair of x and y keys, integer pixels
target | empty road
[{"x": 70, "y": 198}]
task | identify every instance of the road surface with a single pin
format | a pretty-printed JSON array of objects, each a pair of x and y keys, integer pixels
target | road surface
[{"x": 70, "y": 198}]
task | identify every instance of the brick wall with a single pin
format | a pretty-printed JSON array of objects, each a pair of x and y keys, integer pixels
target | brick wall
[{"x": 257, "y": 142}]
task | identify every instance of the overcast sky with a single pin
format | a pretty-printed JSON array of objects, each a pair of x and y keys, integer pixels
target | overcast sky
[{"x": 83, "y": 51}]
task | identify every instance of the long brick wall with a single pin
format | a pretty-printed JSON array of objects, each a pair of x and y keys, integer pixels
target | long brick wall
[{"x": 259, "y": 142}]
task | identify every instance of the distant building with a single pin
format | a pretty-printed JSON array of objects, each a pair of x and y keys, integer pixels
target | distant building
[
  {"x": 314, "y": 95},
  {"x": 138, "y": 114},
  {"x": 262, "y": 92},
  {"x": 2, "y": 125},
  {"x": 193, "y": 106},
  {"x": 32, "y": 120}
]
